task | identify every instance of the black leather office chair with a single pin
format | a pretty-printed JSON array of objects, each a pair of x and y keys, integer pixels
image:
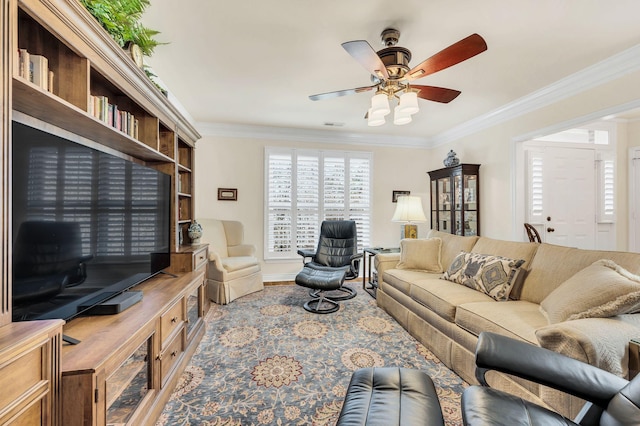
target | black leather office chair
[
  {"x": 47, "y": 258},
  {"x": 612, "y": 401},
  {"x": 325, "y": 269}
]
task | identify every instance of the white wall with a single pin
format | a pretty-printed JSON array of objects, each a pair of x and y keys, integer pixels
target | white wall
[{"x": 239, "y": 163}]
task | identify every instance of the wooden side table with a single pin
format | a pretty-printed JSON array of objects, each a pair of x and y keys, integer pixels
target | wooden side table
[{"x": 369, "y": 275}]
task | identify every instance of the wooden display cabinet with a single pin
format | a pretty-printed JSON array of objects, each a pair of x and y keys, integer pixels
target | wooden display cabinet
[{"x": 455, "y": 199}]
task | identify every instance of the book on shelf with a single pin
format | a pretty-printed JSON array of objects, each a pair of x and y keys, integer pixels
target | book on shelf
[
  {"x": 124, "y": 121},
  {"x": 23, "y": 64},
  {"x": 39, "y": 71}
]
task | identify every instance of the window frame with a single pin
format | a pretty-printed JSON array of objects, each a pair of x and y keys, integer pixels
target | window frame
[{"x": 346, "y": 212}]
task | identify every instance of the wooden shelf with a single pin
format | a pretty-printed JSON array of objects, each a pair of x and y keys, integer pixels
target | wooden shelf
[{"x": 47, "y": 107}]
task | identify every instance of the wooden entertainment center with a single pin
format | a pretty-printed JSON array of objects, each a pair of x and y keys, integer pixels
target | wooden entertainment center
[{"x": 44, "y": 380}]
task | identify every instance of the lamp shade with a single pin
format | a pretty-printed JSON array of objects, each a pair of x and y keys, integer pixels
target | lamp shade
[
  {"x": 380, "y": 105},
  {"x": 399, "y": 117},
  {"x": 375, "y": 119},
  {"x": 409, "y": 209},
  {"x": 409, "y": 103}
]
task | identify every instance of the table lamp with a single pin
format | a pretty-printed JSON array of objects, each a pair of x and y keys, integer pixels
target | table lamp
[{"x": 409, "y": 210}]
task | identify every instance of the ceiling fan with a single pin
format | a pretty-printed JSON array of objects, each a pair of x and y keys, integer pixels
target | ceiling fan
[{"x": 392, "y": 77}]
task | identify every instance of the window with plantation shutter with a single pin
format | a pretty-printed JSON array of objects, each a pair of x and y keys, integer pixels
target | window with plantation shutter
[{"x": 305, "y": 187}]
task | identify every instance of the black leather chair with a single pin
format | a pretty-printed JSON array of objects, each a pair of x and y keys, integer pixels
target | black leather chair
[
  {"x": 46, "y": 259},
  {"x": 611, "y": 400},
  {"x": 325, "y": 269}
]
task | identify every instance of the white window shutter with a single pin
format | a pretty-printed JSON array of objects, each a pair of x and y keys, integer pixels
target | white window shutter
[{"x": 305, "y": 187}]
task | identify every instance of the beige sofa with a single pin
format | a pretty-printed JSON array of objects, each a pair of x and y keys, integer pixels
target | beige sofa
[
  {"x": 233, "y": 269},
  {"x": 447, "y": 317}
]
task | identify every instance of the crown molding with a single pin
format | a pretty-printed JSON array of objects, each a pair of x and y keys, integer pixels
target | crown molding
[
  {"x": 599, "y": 73},
  {"x": 602, "y": 72},
  {"x": 251, "y": 131}
]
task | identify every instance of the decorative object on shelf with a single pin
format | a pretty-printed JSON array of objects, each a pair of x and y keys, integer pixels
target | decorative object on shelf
[
  {"x": 451, "y": 159},
  {"x": 228, "y": 194},
  {"x": 195, "y": 232},
  {"x": 396, "y": 194},
  {"x": 136, "y": 54},
  {"x": 121, "y": 19},
  {"x": 409, "y": 210}
]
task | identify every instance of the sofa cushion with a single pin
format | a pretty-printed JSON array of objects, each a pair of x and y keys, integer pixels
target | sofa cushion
[
  {"x": 552, "y": 265},
  {"x": 452, "y": 245},
  {"x": 420, "y": 254},
  {"x": 600, "y": 290},
  {"x": 492, "y": 275},
  {"x": 402, "y": 279},
  {"x": 514, "y": 318},
  {"x": 443, "y": 297},
  {"x": 602, "y": 342}
]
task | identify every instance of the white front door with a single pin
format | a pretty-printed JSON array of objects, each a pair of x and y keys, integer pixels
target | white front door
[{"x": 569, "y": 197}]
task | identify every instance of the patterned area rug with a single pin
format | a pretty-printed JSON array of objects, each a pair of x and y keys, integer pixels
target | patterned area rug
[{"x": 264, "y": 360}]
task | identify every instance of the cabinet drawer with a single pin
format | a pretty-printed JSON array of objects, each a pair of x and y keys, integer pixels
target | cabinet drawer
[
  {"x": 171, "y": 320},
  {"x": 200, "y": 258},
  {"x": 21, "y": 376},
  {"x": 170, "y": 356}
]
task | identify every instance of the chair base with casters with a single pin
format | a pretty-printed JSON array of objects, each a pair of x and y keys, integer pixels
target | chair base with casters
[{"x": 321, "y": 281}]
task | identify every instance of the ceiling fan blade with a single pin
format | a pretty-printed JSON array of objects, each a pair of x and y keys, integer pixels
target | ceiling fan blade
[
  {"x": 339, "y": 93},
  {"x": 436, "y": 94},
  {"x": 362, "y": 52},
  {"x": 454, "y": 54}
]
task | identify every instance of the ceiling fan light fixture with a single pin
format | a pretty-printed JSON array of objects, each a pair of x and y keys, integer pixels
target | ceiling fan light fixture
[
  {"x": 379, "y": 105},
  {"x": 409, "y": 103},
  {"x": 374, "y": 120},
  {"x": 400, "y": 118}
]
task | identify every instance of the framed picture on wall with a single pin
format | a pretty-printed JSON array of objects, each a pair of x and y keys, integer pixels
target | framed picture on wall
[
  {"x": 228, "y": 194},
  {"x": 396, "y": 194}
]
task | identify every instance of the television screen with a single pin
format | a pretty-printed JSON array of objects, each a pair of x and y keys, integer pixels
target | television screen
[{"x": 87, "y": 225}]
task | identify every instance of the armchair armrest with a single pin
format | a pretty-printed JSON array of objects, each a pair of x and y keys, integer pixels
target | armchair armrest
[
  {"x": 215, "y": 261},
  {"x": 306, "y": 253},
  {"x": 241, "y": 250},
  {"x": 530, "y": 362}
]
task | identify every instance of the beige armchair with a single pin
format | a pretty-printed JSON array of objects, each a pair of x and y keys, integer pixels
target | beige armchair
[{"x": 233, "y": 271}]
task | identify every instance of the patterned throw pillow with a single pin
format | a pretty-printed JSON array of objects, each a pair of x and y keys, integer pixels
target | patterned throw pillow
[{"x": 492, "y": 275}]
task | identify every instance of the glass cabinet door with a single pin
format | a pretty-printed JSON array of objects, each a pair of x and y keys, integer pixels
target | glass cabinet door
[
  {"x": 434, "y": 203},
  {"x": 444, "y": 204},
  {"x": 470, "y": 197}
]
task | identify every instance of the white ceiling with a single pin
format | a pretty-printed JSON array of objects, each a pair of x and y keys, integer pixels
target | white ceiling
[{"x": 241, "y": 62}]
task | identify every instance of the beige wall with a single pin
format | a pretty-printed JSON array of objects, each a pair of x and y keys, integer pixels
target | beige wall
[{"x": 239, "y": 163}]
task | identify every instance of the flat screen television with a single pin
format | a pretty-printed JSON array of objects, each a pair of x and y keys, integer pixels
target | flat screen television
[{"x": 87, "y": 225}]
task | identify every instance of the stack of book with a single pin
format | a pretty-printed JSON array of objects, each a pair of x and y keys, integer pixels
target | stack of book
[
  {"x": 100, "y": 108},
  {"x": 35, "y": 68}
]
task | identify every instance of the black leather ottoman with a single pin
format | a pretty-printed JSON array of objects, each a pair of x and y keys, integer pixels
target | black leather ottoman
[
  {"x": 320, "y": 280},
  {"x": 389, "y": 396}
]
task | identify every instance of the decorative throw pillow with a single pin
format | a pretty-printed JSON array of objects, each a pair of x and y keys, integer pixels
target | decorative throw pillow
[
  {"x": 602, "y": 289},
  {"x": 420, "y": 254},
  {"x": 492, "y": 275}
]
